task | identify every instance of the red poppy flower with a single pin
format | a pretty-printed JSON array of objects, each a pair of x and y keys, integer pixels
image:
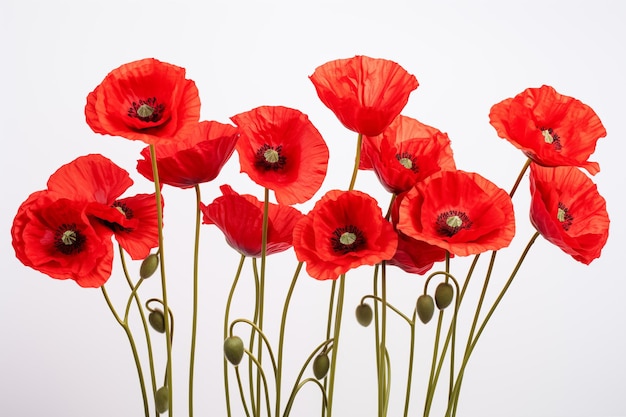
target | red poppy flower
[
  {"x": 244, "y": 229},
  {"x": 96, "y": 180},
  {"x": 406, "y": 152},
  {"x": 344, "y": 230},
  {"x": 196, "y": 159},
  {"x": 145, "y": 100},
  {"x": 568, "y": 211},
  {"x": 413, "y": 256},
  {"x": 55, "y": 236},
  {"x": 461, "y": 212},
  {"x": 550, "y": 128},
  {"x": 365, "y": 93},
  {"x": 280, "y": 149}
]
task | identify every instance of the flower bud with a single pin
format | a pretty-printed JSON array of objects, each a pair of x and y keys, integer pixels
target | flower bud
[
  {"x": 321, "y": 365},
  {"x": 161, "y": 399},
  {"x": 157, "y": 320},
  {"x": 149, "y": 266},
  {"x": 425, "y": 307},
  {"x": 443, "y": 295},
  {"x": 363, "y": 314},
  {"x": 233, "y": 349}
]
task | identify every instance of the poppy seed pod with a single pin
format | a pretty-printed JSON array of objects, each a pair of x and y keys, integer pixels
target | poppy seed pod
[
  {"x": 425, "y": 307},
  {"x": 443, "y": 295},
  {"x": 161, "y": 399},
  {"x": 233, "y": 349},
  {"x": 364, "y": 314},
  {"x": 157, "y": 320},
  {"x": 321, "y": 365},
  {"x": 149, "y": 266}
]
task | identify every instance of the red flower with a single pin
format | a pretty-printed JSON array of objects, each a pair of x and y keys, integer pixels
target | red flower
[
  {"x": 406, "y": 152},
  {"x": 365, "y": 93},
  {"x": 280, "y": 149},
  {"x": 196, "y": 159},
  {"x": 568, "y": 211},
  {"x": 458, "y": 211},
  {"x": 413, "y": 256},
  {"x": 551, "y": 129},
  {"x": 96, "y": 180},
  {"x": 344, "y": 230},
  {"x": 145, "y": 100},
  {"x": 55, "y": 236},
  {"x": 240, "y": 218}
]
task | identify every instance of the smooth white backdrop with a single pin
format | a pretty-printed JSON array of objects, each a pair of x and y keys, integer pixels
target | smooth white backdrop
[{"x": 556, "y": 346}]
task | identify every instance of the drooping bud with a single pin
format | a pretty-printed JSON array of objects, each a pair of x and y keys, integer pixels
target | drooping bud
[
  {"x": 321, "y": 365},
  {"x": 364, "y": 314},
  {"x": 161, "y": 400},
  {"x": 425, "y": 307},
  {"x": 443, "y": 295},
  {"x": 149, "y": 266},
  {"x": 157, "y": 320},
  {"x": 233, "y": 349}
]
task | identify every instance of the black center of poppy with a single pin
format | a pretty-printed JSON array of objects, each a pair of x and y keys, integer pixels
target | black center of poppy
[
  {"x": 451, "y": 222},
  {"x": 68, "y": 240},
  {"x": 148, "y": 110},
  {"x": 408, "y": 161},
  {"x": 347, "y": 239},
  {"x": 269, "y": 158},
  {"x": 126, "y": 211},
  {"x": 550, "y": 137},
  {"x": 564, "y": 216}
]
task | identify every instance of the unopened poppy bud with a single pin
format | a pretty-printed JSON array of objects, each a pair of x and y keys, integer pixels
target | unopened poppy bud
[
  {"x": 321, "y": 365},
  {"x": 425, "y": 307},
  {"x": 149, "y": 266},
  {"x": 364, "y": 314},
  {"x": 157, "y": 320},
  {"x": 233, "y": 349},
  {"x": 161, "y": 399},
  {"x": 443, "y": 295}
]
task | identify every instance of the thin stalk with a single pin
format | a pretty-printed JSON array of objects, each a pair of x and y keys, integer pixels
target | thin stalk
[
  {"x": 357, "y": 160},
  {"x": 281, "y": 336},
  {"x": 194, "y": 319},
  {"x": 430, "y": 391},
  {"x": 333, "y": 361},
  {"x": 226, "y": 317},
  {"x": 168, "y": 339},
  {"x": 261, "y": 298},
  {"x": 243, "y": 398},
  {"x": 409, "y": 379},
  {"x": 133, "y": 347},
  {"x": 382, "y": 374},
  {"x": 297, "y": 389}
]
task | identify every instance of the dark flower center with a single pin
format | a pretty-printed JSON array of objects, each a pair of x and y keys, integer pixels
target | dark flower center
[
  {"x": 451, "y": 222},
  {"x": 551, "y": 138},
  {"x": 126, "y": 211},
  {"x": 68, "y": 240},
  {"x": 148, "y": 110},
  {"x": 347, "y": 239},
  {"x": 564, "y": 216},
  {"x": 269, "y": 158},
  {"x": 408, "y": 161}
]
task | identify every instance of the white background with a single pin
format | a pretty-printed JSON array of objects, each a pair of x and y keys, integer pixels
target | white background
[{"x": 555, "y": 348}]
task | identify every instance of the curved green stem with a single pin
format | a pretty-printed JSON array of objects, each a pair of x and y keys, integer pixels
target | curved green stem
[
  {"x": 382, "y": 374},
  {"x": 357, "y": 160},
  {"x": 241, "y": 393},
  {"x": 333, "y": 361},
  {"x": 409, "y": 378},
  {"x": 281, "y": 336},
  {"x": 261, "y": 335},
  {"x": 194, "y": 316},
  {"x": 226, "y": 318},
  {"x": 389, "y": 306},
  {"x": 298, "y": 387},
  {"x": 168, "y": 339},
  {"x": 133, "y": 347},
  {"x": 263, "y": 378}
]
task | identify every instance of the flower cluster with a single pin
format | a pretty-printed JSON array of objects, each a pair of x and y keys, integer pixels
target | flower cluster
[{"x": 436, "y": 211}]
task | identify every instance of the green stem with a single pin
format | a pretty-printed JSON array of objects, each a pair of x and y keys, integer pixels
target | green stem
[
  {"x": 194, "y": 319},
  {"x": 241, "y": 393},
  {"x": 382, "y": 374},
  {"x": 168, "y": 339},
  {"x": 133, "y": 347},
  {"x": 457, "y": 387},
  {"x": 409, "y": 378},
  {"x": 261, "y": 298},
  {"x": 226, "y": 317},
  {"x": 333, "y": 361},
  {"x": 281, "y": 336},
  {"x": 519, "y": 177},
  {"x": 292, "y": 398},
  {"x": 357, "y": 160}
]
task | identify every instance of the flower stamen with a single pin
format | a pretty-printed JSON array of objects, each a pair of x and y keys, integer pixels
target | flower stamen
[
  {"x": 347, "y": 239},
  {"x": 551, "y": 138},
  {"x": 564, "y": 216},
  {"x": 451, "y": 222},
  {"x": 269, "y": 158},
  {"x": 408, "y": 161},
  {"x": 147, "y": 110},
  {"x": 68, "y": 240}
]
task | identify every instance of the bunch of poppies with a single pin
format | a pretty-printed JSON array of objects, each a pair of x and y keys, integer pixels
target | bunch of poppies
[{"x": 65, "y": 231}]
